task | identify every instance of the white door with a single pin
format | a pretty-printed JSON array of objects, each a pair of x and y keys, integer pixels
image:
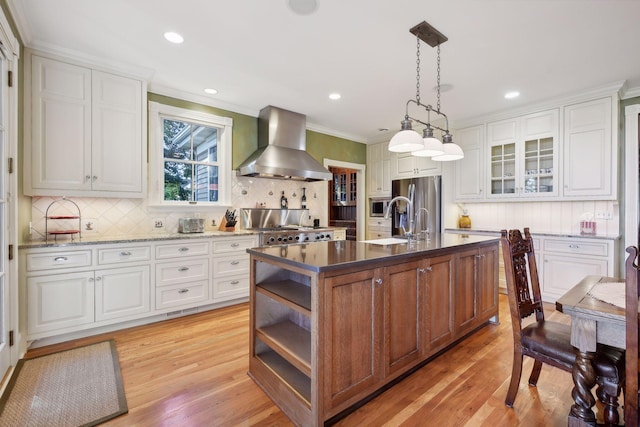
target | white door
[{"x": 5, "y": 354}]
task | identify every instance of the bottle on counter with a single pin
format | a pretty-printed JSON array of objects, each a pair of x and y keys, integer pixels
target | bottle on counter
[
  {"x": 284, "y": 204},
  {"x": 303, "y": 203},
  {"x": 464, "y": 221}
]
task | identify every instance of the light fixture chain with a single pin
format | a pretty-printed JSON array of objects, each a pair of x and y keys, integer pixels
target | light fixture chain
[
  {"x": 418, "y": 71},
  {"x": 438, "y": 85}
]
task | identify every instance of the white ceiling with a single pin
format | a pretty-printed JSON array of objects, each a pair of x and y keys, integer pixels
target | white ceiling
[{"x": 259, "y": 52}]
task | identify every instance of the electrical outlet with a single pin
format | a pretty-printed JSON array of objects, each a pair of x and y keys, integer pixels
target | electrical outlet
[
  {"x": 90, "y": 225},
  {"x": 604, "y": 215},
  {"x": 158, "y": 223}
]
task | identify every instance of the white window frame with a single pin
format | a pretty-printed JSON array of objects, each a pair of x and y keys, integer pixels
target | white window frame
[{"x": 157, "y": 113}]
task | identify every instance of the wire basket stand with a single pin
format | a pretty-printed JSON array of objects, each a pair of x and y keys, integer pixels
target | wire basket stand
[{"x": 69, "y": 231}]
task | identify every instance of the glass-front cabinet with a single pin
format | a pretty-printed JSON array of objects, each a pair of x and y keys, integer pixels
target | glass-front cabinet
[{"x": 524, "y": 156}]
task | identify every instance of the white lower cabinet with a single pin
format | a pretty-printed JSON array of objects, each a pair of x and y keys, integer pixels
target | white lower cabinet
[
  {"x": 70, "y": 289},
  {"x": 59, "y": 301},
  {"x": 122, "y": 292},
  {"x": 565, "y": 261},
  {"x": 230, "y": 265},
  {"x": 378, "y": 228}
]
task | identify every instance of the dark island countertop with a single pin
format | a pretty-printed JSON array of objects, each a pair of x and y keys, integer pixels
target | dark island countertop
[{"x": 336, "y": 254}]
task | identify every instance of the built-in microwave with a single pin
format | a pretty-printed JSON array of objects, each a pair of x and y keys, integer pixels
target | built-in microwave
[{"x": 378, "y": 207}]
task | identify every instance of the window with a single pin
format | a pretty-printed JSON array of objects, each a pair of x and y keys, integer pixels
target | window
[{"x": 190, "y": 158}]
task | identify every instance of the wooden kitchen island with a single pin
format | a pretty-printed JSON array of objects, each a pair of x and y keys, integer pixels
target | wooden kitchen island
[{"x": 334, "y": 322}]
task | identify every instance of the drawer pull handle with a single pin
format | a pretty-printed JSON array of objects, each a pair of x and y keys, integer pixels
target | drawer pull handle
[
  {"x": 422, "y": 270},
  {"x": 183, "y": 291},
  {"x": 183, "y": 269},
  {"x": 183, "y": 249},
  {"x": 60, "y": 258},
  {"x": 235, "y": 262},
  {"x": 125, "y": 253},
  {"x": 235, "y": 245},
  {"x": 235, "y": 282},
  {"x": 574, "y": 246},
  {"x": 378, "y": 281}
]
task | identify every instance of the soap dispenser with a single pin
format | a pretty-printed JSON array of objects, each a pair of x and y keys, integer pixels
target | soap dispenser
[{"x": 464, "y": 221}]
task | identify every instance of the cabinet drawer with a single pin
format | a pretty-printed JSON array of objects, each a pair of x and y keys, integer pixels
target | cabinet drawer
[
  {"x": 117, "y": 255},
  {"x": 187, "y": 249},
  {"x": 172, "y": 296},
  {"x": 224, "y": 266},
  {"x": 188, "y": 270},
  {"x": 231, "y": 287},
  {"x": 238, "y": 244},
  {"x": 56, "y": 260},
  {"x": 576, "y": 247}
]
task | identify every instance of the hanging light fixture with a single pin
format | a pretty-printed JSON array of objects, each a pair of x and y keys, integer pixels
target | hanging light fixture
[{"x": 408, "y": 140}]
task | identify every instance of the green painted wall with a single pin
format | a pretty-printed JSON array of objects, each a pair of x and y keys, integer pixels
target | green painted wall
[
  {"x": 322, "y": 146},
  {"x": 245, "y": 135}
]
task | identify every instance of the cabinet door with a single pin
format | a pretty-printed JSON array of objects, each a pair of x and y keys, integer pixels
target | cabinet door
[
  {"x": 379, "y": 168},
  {"x": 405, "y": 165},
  {"x": 59, "y": 301},
  {"x": 469, "y": 171},
  {"x": 503, "y": 159},
  {"x": 465, "y": 291},
  {"x": 487, "y": 282},
  {"x": 353, "y": 328},
  {"x": 439, "y": 294},
  {"x": 402, "y": 315},
  {"x": 589, "y": 169},
  {"x": 122, "y": 292},
  {"x": 117, "y": 144},
  {"x": 60, "y": 146},
  {"x": 540, "y": 150},
  {"x": 561, "y": 272}
]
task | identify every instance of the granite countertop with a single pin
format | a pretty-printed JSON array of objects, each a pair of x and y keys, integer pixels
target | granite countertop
[
  {"x": 149, "y": 237},
  {"x": 495, "y": 232},
  {"x": 330, "y": 255}
]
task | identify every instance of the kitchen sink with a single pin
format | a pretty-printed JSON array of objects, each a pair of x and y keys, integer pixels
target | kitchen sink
[{"x": 386, "y": 241}]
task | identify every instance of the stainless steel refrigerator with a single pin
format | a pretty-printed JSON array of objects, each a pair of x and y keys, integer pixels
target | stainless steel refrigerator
[{"x": 426, "y": 203}]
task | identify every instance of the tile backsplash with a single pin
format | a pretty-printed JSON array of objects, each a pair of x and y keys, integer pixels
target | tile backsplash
[
  {"x": 105, "y": 217},
  {"x": 551, "y": 217}
]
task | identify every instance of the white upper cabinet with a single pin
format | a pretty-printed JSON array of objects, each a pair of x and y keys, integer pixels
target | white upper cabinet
[
  {"x": 523, "y": 156},
  {"x": 469, "y": 171},
  {"x": 84, "y": 133},
  {"x": 379, "y": 170},
  {"x": 590, "y": 163},
  {"x": 404, "y": 165}
]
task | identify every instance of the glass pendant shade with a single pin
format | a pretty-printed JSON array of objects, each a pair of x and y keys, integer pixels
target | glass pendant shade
[
  {"x": 405, "y": 140},
  {"x": 452, "y": 151},
  {"x": 431, "y": 146}
]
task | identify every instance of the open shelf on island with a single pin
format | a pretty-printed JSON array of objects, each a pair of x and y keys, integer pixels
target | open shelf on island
[
  {"x": 290, "y": 341},
  {"x": 293, "y": 294},
  {"x": 296, "y": 380}
]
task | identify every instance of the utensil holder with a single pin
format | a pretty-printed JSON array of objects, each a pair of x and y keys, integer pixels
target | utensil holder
[{"x": 588, "y": 228}]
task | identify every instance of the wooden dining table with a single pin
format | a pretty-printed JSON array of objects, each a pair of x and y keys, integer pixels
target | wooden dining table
[{"x": 592, "y": 321}]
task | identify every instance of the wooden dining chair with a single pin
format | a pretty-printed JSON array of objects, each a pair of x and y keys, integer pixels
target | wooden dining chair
[
  {"x": 547, "y": 341},
  {"x": 631, "y": 317}
]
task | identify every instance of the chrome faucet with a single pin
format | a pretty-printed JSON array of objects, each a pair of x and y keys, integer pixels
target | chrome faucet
[
  {"x": 426, "y": 230},
  {"x": 410, "y": 215}
]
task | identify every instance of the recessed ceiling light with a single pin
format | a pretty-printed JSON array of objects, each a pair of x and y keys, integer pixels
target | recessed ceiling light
[
  {"x": 335, "y": 96},
  {"x": 211, "y": 91},
  {"x": 512, "y": 94},
  {"x": 303, "y": 7},
  {"x": 173, "y": 37},
  {"x": 383, "y": 129}
]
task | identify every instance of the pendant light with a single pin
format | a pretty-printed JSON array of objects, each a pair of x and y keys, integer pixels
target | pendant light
[{"x": 408, "y": 140}]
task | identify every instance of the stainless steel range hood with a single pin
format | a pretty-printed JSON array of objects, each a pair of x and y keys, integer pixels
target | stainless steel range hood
[{"x": 281, "y": 149}]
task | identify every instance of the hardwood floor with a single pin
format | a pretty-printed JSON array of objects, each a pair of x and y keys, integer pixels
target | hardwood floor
[{"x": 192, "y": 371}]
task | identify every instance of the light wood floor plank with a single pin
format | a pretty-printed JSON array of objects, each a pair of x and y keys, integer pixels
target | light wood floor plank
[{"x": 192, "y": 371}]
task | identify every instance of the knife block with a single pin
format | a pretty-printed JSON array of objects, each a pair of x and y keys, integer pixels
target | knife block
[{"x": 224, "y": 227}]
